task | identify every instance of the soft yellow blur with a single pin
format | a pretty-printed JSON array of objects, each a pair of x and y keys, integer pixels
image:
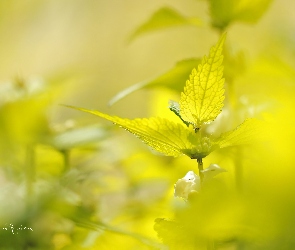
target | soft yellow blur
[{"x": 82, "y": 186}]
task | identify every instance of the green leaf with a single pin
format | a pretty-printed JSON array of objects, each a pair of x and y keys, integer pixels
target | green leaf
[
  {"x": 200, "y": 102},
  {"x": 245, "y": 133},
  {"x": 165, "y": 136},
  {"x": 173, "y": 79},
  {"x": 234, "y": 65},
  {"x": 164, "y": 18},
  {"x": 77, "y": 137},
  {"x": 99, "y": 226},
  {"x": 203, "y": 95},
  {"x": 225, "y": 12},
  {"x": 171, "y": 233}
]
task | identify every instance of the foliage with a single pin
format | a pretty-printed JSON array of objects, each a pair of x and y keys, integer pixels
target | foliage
[
  {"x": 80, "y": 183},
  {"x": 171, "y": 79},
  {"x": 227, "y": 11},
  {"x": 200, "y": 103},
  {"x": 164, "y": 18}
]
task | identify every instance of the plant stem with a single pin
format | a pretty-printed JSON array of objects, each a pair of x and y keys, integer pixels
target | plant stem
[
  {"x": 200, "y": 167},
  {"x": 211, "y": 245},
  {"x": 29, "y": 171},
  {"x": 66, "y": 158},
  {"x": 239, "y": 169},
  {"x": 239, "y": 184}
]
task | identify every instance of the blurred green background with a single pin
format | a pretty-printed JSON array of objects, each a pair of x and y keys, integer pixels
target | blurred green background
[{"x": 80, "y": 183}]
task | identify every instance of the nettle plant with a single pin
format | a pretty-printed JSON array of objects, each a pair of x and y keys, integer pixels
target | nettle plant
[{"x": 200, "y": 103}]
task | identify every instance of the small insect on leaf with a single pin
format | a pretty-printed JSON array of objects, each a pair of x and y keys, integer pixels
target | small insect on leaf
[
  {"x": 200, "y": 102},
  {"x": 174, "y": 107}
]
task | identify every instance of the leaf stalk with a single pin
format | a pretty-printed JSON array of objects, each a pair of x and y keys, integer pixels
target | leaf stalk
[{"x": 200, "y": 167}]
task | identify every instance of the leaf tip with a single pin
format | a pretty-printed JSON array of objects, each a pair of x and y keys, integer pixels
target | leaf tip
[{"x": 222, "y": 39}]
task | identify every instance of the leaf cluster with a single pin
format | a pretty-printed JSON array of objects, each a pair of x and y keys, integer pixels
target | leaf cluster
[{"x": 200, "y": 103}]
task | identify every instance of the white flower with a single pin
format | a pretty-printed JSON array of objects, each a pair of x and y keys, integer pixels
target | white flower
[
  {"x": 211, "y": 171},
  {"x": 191, "y": 182},
  {"x": 184, "y": 186}
]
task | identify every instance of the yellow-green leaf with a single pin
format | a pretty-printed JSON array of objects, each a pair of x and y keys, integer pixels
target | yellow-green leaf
[
  {"x": 203, "y": 95},
  {"x": 161, "y": 134},
  {"x": 173, "y": 79},
  {"x": 173, "y": 234},
  {"x": 77, "y": 137},
  {"x": 224, "y": 12},
  {"x": 245, "y": 133},
  {"x": 164, "y": 18},
  {"x": 165, "y": 136}
]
